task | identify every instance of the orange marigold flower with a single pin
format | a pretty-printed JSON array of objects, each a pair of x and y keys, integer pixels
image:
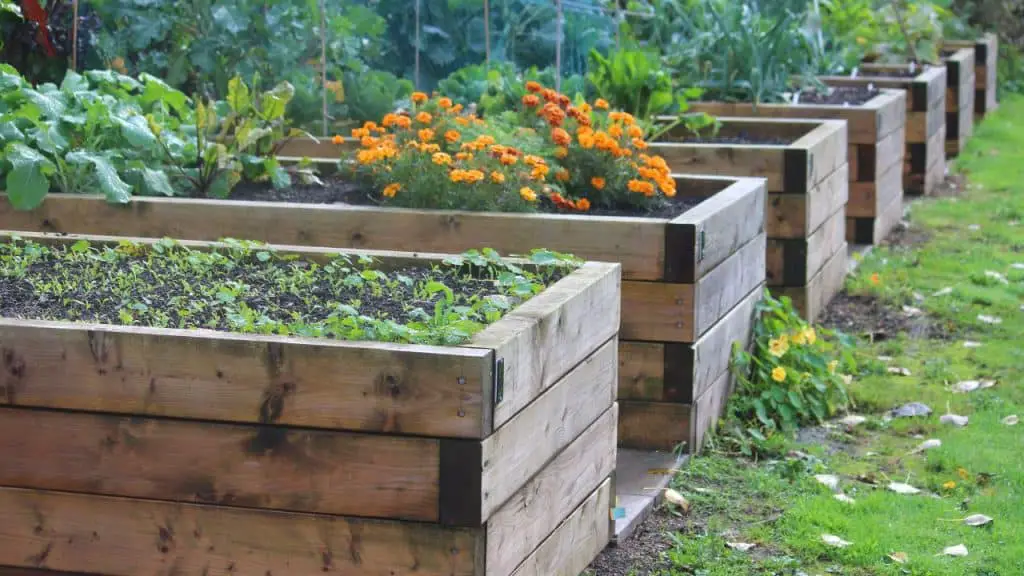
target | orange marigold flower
[
  {"x": 457, "y": 108},
  {"x": 562, "y": 175},
  {"x": 561, "y": 137},
  {"x": 337, "y": 140},
  {"x": 668, "y": 187},
  {"x": 597, "y": 182},
  {"x": 367, "y": 156},
  {"x": 583, "y": 204},
  {"x": 550, "y": 95},
  {"x": 445, "y": 103},
  {"x": 485, "y": 140},
  {"x": 563, "y": 100},
  {"x": 508, "y": 159},
  {"x": 635, "y": 131},
  {"x": 403, "y": 122},
  {"x": 532, "y": 160},
  {"x": 457, "y": 175},
  {"x": 561, "y": 152},
  {"x": 876, "y": 279},
  {"x": 497, "y": 177},
  {"x": 539, "y": 172},
  {"x": 531, "y": 100},
  {"x": 368, "y": 141},
  {"x": 615, "y": 131},
  {"x": 464, "y": 156},
  {"x": 533, "y": 86},
  {"x": 641, "y": 187},
  {"x": 452, "y": 136},
  {"x": 526, "y": 193},
  {"x": 391, "y": 189},
  {"x": 426, "y": 135},
  {"x": 628, "y": 119},
  {"x": 585, "y": 108},
  {"x": 441, "y": 159},
  {"x": 474, "y": 176},
  {"x": 370, "y": 125},
  {"x": 356, "y": 133},
  {"x": 419, "y": 97},
  {"x": 586, "y": 140},
  {"x": 639, "y": 144},
  {"x": 424, "y": 117},
  {"x": 462, "y": 121},
  {"x": 389, "y": 119},
  {"x": 601, "y": 103},
  {"x": 430, "y": 148}
]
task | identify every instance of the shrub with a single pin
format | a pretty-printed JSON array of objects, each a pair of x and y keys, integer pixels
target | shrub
[{"x": 547, "y": 154}]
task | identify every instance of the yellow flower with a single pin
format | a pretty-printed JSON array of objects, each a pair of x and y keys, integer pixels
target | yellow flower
[
  {"x": 832, "y": 366},
  {"x": 561, "y": 152},
  {"x": 441, "y": 159},
  {"x": 810, "y": 335},
  {"x": 779, "y": 347},
  {"x": 963, "y": 473},
  {"x": 497, "y": 177},
  {"x": 527, "y": 194},
  {"x": 949, "y": 485},
  {"x": 799, "y": 338},
  {"x": 391, "y": 189},
  {"x": 779, "y": 374}
]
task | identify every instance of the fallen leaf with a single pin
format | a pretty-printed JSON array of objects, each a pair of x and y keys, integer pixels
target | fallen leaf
[
  {"x": 996, "y": 276},
  {"x": 958, "y": 550},
  {"x": 852, "y": 420},
  {"x": 918, "y": 296},
  {"x": 974, "y": 226},
  {"x": 676, "y": 498},
  {"x": 741, "y": 546},
  {"x": 990, "y": 319},
  {"x": 899, "y": 557},
  {"x": 901, "y": 488},
  {"x": 830, "y": 481},
  {"x": 954, "y": 419},
  {"x": 1011, "y": 420},
  {"x": 972, "y": 385},
  {"x": 971, "y": 344},
  {"x": 944, "y": 292},
  {"x": 977, "y": 520},
  {"x": 1017, "y": 265},
  {"x": 912, "y": 311},
  {"x": 844, "y": 498},
  {"x": 835, "y": 541},
  {"x": 898, "y": 371},
  {"x": 927, "y": 445},
  {"x": 885, "y": 359}
]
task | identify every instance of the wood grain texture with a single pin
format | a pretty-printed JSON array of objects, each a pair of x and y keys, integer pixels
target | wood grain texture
[
  {"x": 873, "y": 160},
  {"x": 865, "y": 123},
  {"x": 795, "y": 262},
  {"x": 653, "y": 425},
  {"x": 543, "y": 339},
  {"x": 708, "y": 408},
  {"x": 122, "y": 537},
  {"x": 796, "y": 215},
  {"x": 252, "y": 466},
  {"x": 641, "y": 370},
  {"x": 535, "y": 511},
  {"x": 748, "y": 160},
  {"x": 826, "y": 150},
  {"x": 658, "y": 311},
  {"x": 203, "y": 374},
  {"x": 718, "y": 292},
  {"x": 575, "y": 542},
  {"x": 524, "y": 444},
  {"x": 713, "y": 351},
  {"x": 867, "y": 199},
  {"x": 811, "y": 300},
  {"x": 986, "y": 54}
]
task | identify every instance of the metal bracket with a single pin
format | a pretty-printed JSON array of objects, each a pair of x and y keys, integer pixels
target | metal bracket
[
  {"x": 701, "y": 241},
  {"x": 499, "y": 380}
]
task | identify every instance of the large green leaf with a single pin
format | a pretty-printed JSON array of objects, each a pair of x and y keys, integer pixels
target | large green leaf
[
  {"x": 51, "y": 105},
  {"x": 116, "y": 190},
  {"x": 238, "y": 95},
  {"x": 74, "y": 82},
  {"x": 136, "y": 131},
  {"x": 156, "y": 90},
  {"x": 27, "y": 182},
  {"x": 157, "y": 181}
]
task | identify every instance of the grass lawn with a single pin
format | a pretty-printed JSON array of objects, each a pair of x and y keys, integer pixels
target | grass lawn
[{"x": 964, "y": 270}]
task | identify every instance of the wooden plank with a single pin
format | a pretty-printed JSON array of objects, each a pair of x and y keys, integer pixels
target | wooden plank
[
  {"x": 795, "y": 262},
  {"x": 796, "y": 215},
  {"x": 748, "y": 160},
  {"x": 532, "y": 514},
  {"x": 811, "y": 300},
  {"x": 123, "y": 537},
  {"x": 874, "y": 230},
  {"x": 874, "y": 159},
  {"x": 252, "y": 466},
  {"x": 922, "y": 125},
  {"x": 825, "y": 149},
  {"x": 713, "y": 352},
  {"x": 653, "y": 425},
  {"x": 713, "y": 230},
  {"x": 636, "y": 243},
  {"x": 524, "y": 444},
  {"x": 725, "y": 286},
  {"x": 203, "y": 374},
  {"x": 658, "y": 311},
  {"x": 708, "y": 408},
  {"x": 540, "y": 341},
  {"x": 576, "y": 542},
  {"x": 868, "y": 198},
  {"x": 865, "y": 123},
  {"x": 642, "y": 370},
  {"x": 11, "y": 571}
]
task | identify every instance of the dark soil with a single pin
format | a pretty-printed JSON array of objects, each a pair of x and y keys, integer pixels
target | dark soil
[
  {"x": 840, "y": 96},
  {"x": 868, "y": 316},
  {"x": 337, "y": 190},
  {"x": 742, "y": 138},
  {"x": 892, "y": 73},
  {"x": 186, "y": 289},
  {"x": 641, "y": 553}
]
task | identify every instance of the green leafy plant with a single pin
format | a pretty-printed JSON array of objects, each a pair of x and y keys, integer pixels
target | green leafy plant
[
  {"x": 635, "y": 81},
  {"x": 794, "y": 374},
  {"x": 912, "y": 31}
]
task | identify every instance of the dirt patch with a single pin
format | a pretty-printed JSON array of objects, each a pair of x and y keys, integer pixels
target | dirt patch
[
  {"x": 906, "y": 237},
  {"x": 642, "y": 553},
  {"x": 839, "y": 96},
  {"x": 866, "y": 315},
  {"x": 953, "y": 185}
]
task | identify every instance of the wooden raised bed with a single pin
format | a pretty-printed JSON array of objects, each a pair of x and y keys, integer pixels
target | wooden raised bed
[
  {"x": 986, "y": 56},
  {"x": 959, "y": 99},
  {"x": 227, "y": 453},
  {"x": 807, "y": 181},
  {"x": 924, "y": 166},
  {"x": 875, "y": 135},
  {"x": 681, "y": 277}
]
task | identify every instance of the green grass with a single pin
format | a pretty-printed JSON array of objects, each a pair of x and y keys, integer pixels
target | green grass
[{"x": 779, "y": 506}]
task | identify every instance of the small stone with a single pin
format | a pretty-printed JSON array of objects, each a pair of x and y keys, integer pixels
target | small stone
[{"x": 912, "y": 409}]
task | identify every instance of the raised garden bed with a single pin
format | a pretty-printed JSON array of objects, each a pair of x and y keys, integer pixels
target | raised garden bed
[
  {"x": 130, "y": 449},
  {"x": 959, "y": 99},
  {"x": 924, "y": 165},
  {"x": 986, "y": 56},
  {"x": 681, "y": 276},
  {"x": 804, "y": 162},
  {"x": 875, "y": 135}
]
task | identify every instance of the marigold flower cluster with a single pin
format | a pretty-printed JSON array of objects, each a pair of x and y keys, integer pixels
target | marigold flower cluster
[{"x": 557, "y": 155}]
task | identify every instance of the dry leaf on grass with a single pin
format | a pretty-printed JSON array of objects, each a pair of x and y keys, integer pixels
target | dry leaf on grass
[
  {"x": 901, "y": 488},
  {"x": 1011, "y": 420},
  {"x": 944, "y": 292},
  {"x": 954, "y": 419},
  {"x": 990, "y": 319},
  {"x": 972, "y": 385},
  {"x": 673, "y": 497},
  {"x": 1017, "y": 265},
  {"x": 912, "y": 311},
  {"x": 834, "y": 541},
  {"x": 830, "y": 481},
  {"x": 898, "y": 371},
  {"x": 852, "y": 420},
  {"x": 885, "y": 359},
  {"x": 927, "y": 445},
  {"x": 844, "y": 499},
  {"x": 899, "y": 557},
  {"x": 996, "y": 276},
  {"x": 971, "y": 344},
  {"x": 958, "y": 550},
  {"x": 741, "y": 546},
  {"x": 977, "y": 520}
]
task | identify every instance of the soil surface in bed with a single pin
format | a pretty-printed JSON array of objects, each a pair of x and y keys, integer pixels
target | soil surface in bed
[
  {"x": 338, "y": 190},
  {"x": 839, "y": 96},
  {"x": 742, "y": 138}
]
